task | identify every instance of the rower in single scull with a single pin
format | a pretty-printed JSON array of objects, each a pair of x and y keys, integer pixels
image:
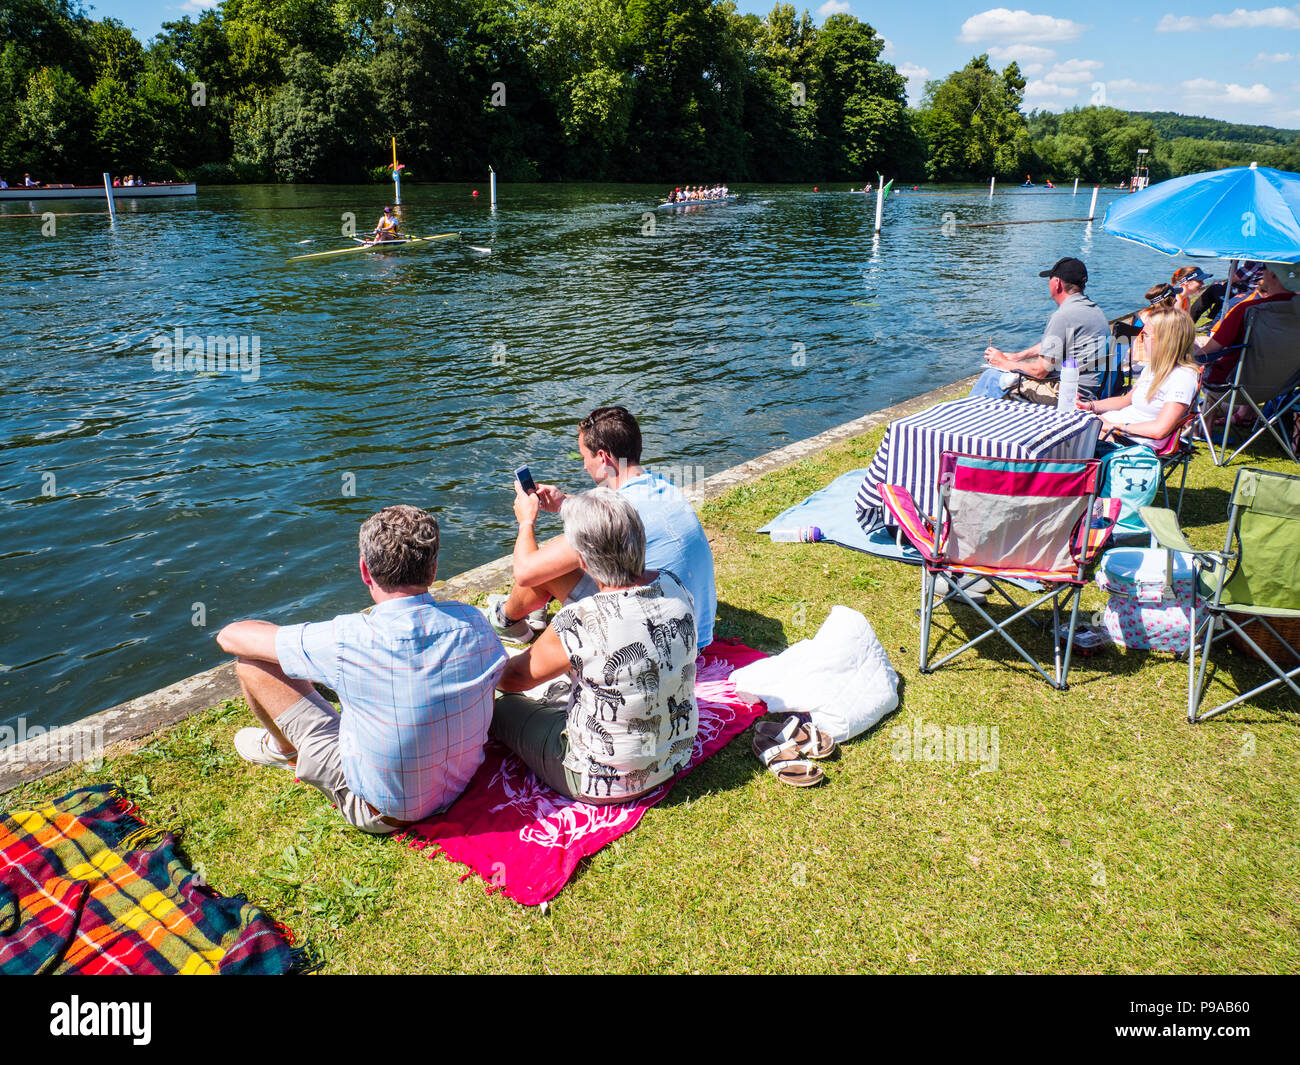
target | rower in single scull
[{"x": 387, "y": 227}]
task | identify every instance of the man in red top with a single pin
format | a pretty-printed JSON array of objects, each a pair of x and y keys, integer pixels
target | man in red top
[{"x": 1232, "y": 327}]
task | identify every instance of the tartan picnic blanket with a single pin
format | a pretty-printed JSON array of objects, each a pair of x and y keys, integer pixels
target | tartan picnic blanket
[
  {"x": 87, "y": 887},
  {"x": 526, "y": 840}
]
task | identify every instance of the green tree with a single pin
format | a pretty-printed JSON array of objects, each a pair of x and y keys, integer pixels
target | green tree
[{"x": 973, "y": 125}]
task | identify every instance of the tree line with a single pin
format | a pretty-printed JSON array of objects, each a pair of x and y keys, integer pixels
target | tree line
[{"x": 678, "y": 91}]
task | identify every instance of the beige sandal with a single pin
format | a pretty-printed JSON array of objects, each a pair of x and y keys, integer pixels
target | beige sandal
[
  {"x": 808, "y": 738},
  {"x": 788, "y": 769}
]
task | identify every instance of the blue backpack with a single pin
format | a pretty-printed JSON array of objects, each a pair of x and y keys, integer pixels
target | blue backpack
[{"x": 1131, "y": 475}]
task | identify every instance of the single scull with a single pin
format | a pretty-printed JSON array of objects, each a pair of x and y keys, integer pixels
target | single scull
[{"x": 377, "y": 245}]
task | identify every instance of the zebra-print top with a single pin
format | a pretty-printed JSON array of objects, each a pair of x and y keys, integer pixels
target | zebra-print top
[{"x": 632, "y": 714}]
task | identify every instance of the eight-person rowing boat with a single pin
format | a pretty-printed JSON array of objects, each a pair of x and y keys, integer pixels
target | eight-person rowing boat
[{"x": 695, "y": 195}]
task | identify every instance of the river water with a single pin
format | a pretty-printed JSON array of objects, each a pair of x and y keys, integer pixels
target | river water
[{"x": 143, "y": 507}]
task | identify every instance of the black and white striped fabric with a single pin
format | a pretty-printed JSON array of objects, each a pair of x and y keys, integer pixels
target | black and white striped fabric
[{"x": 992, "y": 428}]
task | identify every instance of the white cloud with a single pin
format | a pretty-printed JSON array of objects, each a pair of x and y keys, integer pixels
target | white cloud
[
  {"x": 1032, "y": 70},
  {"x": 1205, "y": 89},
  {"x": 1268, "y": 18},
  {"x": 197, "y": 7},
  {"x": 887, "y": 52},
  {"x": 1275, "y": 57},
  {"x": 1021, "y": 53},
  {"x": 916, "y": 76},
  {"x": 1254, "y": 94},
  {"x": 1074, "y": 70},
  {"x": 1048, "y": 89},
  {"x": 833, "y": 7},
  {"x": 1129, "y": 85},
  {"x": 1020, "y": 27}
]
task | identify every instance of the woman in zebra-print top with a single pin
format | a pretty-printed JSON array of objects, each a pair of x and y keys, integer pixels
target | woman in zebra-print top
[{"x": 629, "y": 720}]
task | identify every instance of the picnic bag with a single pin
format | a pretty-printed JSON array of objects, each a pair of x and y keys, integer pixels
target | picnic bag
[
  {"x": 1131, "y": 475},
  {"x": 1150, "y": 603}
]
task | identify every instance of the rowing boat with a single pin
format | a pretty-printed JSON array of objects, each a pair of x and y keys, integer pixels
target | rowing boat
[
  {"x": 378, "y": 245},
  {"x": 699, "y": 203},
  {"x": 96, "y": 192}
]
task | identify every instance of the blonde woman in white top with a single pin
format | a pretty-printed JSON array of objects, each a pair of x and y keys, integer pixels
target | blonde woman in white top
[{"x": 1162, "y": 396}]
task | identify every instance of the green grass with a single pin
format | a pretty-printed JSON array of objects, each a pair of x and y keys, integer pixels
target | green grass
[{"x": 1112, "y": 836}]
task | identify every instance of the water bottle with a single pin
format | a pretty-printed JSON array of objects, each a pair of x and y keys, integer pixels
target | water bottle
[
  {"x": 1069, "y": 393},
  {"x": 809, "y": 535}
]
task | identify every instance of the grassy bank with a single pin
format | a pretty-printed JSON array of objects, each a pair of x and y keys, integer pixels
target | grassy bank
[{"x": 1112, "y": 835}]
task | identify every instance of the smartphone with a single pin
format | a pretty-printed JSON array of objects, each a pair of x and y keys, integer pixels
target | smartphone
[{"x": 525, "y": 480}]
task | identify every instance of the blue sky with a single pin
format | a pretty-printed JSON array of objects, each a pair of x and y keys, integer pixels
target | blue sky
[{"x": 1199, "y": 57}]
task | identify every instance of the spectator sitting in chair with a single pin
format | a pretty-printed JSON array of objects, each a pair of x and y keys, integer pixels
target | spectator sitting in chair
[
  {"x": 1158, "y": 403},
  {"x": 1076, "y": 330},
  {"x": 1277, "y": 284}
]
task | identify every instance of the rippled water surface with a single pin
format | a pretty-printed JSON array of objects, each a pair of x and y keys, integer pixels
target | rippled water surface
[{"x": 145, "y": 508}]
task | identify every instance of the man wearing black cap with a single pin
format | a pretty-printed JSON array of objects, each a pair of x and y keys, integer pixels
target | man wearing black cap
[{"x": 1077, "y": 330}]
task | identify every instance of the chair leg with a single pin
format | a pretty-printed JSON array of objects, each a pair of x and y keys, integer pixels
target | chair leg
[
  {"x": 1069, "y": 640},
  {"x": 1199, "y": 691},
  {"x": 1182, "y": 485},
  {"x": 927, "y": 609}
]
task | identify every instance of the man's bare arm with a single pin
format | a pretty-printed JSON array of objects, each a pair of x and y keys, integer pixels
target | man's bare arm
[{"x": 249, "y": 639}]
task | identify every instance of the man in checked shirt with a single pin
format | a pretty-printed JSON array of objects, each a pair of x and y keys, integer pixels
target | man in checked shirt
[{"x": 416, "y": 679}]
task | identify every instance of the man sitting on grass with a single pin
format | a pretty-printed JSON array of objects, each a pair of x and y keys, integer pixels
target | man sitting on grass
[
  {"x": 416, "y": 679},
  {"x": 609, "y": 441}
]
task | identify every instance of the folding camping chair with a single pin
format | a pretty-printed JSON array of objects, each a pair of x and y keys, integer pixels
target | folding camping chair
[
  {"x": 1265, "y": 381},
  {"x": 1255, "y": 587},
  {"x": 1176, "y": 452},
  {"x": 1008, "y": 521}
]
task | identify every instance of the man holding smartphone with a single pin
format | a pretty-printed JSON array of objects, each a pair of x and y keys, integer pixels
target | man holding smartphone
[{"x": 609, "y": 441}]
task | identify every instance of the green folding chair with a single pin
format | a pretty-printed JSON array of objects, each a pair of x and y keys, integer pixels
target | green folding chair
[{"x": 1246, "y": 590}]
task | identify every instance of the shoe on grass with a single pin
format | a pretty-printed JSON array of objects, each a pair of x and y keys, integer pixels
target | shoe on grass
[
  {"x": 254, "y": 745},
  {"x": 520, "y": 631}
]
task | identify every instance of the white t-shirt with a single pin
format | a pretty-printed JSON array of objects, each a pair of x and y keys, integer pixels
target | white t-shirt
[{"x": 1180, "y": 386}]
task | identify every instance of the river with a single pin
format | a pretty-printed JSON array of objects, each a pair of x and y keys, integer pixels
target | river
[{"x": 143, "y": 507}]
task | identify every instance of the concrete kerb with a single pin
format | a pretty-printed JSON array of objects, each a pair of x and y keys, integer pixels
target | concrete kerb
[{"x": 137, "y": 718}]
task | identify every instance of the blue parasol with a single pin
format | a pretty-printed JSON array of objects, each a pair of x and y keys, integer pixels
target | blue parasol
[{"x": 1245, "y": 212}]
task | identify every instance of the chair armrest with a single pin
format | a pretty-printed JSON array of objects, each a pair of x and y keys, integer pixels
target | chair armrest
[
  {"x": 898, "y": 501},
  {"x": 1163, "y": 524}
]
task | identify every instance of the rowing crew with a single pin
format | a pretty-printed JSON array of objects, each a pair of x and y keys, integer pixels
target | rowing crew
[{"x": 698, "y": 192}]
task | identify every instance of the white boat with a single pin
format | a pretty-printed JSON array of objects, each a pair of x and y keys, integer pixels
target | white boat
[{"x": 96, "y": 192}]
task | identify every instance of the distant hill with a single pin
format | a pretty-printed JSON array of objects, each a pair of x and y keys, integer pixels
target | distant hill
[{"x": 1170, "y": 126}]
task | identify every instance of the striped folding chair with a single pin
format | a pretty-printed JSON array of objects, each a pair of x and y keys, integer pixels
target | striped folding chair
[{"x": 1018, "y": 524}]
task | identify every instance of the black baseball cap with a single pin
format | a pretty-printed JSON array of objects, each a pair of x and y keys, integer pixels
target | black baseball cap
[{"x": 1071, "y": 271}]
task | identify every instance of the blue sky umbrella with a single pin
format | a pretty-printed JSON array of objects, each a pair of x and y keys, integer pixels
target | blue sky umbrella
[{"x": 1245, "y": 212}]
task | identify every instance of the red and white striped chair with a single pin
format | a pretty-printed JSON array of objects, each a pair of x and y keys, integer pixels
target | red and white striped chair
[{"x": 1017, "y": 524}]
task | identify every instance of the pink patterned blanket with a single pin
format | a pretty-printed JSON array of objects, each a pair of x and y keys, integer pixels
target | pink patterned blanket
[{"x": 525, "y": 840}]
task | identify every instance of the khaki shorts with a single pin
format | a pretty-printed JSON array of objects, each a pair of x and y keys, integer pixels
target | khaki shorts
[{"x": 312, "y": 726}]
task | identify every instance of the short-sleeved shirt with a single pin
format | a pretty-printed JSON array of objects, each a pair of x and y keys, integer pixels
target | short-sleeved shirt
[
  {"x": 632, "y": 714},
  {"x": 1180, "y": 386},
  {"x": 675, "y": 541},
  {"x": 416, "y": 679},
  {"x": 1077, "y": 330}
]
